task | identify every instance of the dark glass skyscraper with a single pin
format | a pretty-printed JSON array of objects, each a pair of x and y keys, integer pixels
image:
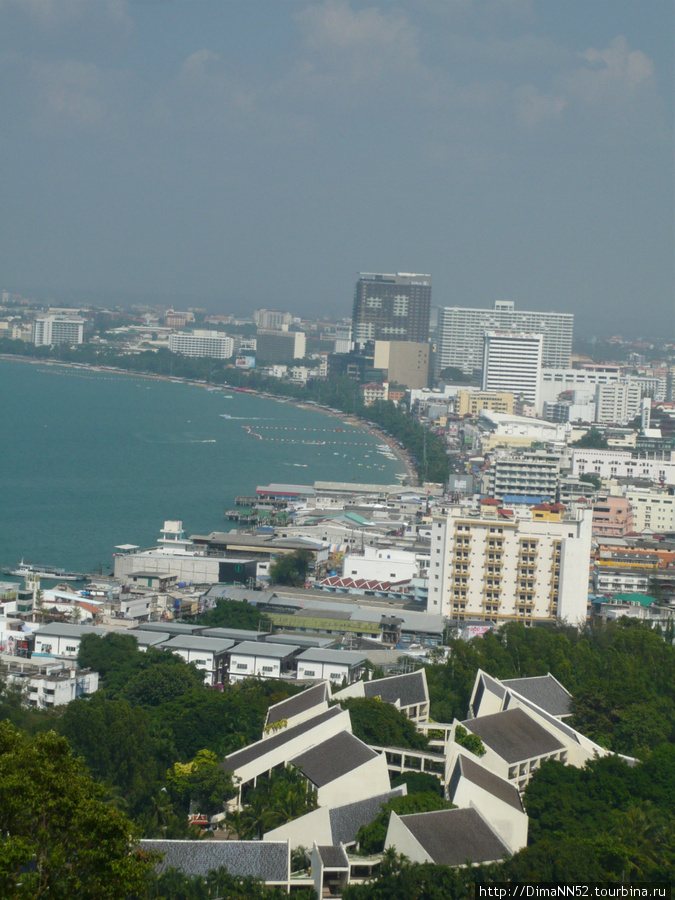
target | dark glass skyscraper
[{"x": 391, "y": 307}]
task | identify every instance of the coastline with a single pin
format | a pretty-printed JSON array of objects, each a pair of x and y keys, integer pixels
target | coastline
[{"x": 348, "y": 418}]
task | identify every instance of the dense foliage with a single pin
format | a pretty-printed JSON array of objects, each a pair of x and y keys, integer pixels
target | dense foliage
[
  {"x": 275, "y": 800},
  {"x": 291, "y": 568},
  {"x": 621, "y": 676},
  {"x": 381, "y": 724},
  {"x": 54, "y": 822},
  {"x": 371, "y": 837},
  {"x": 233, "y": 614}
]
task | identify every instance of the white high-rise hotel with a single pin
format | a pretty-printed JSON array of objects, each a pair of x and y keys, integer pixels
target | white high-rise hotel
[
  {"x": 512, "y": 362},
  {"x": 461, "y": 332}
]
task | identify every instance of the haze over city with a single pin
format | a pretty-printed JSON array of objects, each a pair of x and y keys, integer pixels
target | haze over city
[{"x": 238, "y": 155}]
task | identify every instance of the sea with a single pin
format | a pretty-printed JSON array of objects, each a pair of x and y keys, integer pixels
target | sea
[{"x": 93, "y": 459}]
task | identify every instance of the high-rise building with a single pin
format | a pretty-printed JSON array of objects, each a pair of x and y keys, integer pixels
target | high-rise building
[
  {"x": 202, "y": 343},
  {"x": 391, "y": 307},
  {"x": 280, "y": 346},
  {"x": 512, "y": 362},
  {"x": 494, "y": 569},
  {"x": 53, "y": 329},
  {"x": 461, "y": 331}
]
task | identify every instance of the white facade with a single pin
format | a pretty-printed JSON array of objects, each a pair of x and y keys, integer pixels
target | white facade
[
  {"x": 618, "y": 403},
  {"x": 622, "y": 464},
  {"x": 62, "y": 641},
  {"x": 512, "y": 362},
  {"x": 202, "y": 343},
  {"x": 652, "y": 510},
  {"x": 499, "y": 570},
  {"x": 461, "y": 331},
  {"x": 54, "y": 329},
  {"x": 330, "y": 665},
  {"x": 531, "y": 475},
  {"x": 381, "y": 564},
  {"x": 583, "y": 383},
  {"x": 251, "y": 659},
  {"x": 47, "y": 691}
]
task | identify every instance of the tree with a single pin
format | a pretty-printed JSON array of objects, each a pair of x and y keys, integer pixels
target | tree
[
  {"x": 592, "y": 440},
  {"x": 291, "y": 568},
  {"x": 201, "y": 783},
  {"x": 375, "y": 722},
  {"x": 470, "y": 742},
  {"x": 273, "y": 801},
  {"x": 60, "y": 840},
  {"x": 453, "y": 375},
  {"x": 234, "y": 614},
  {"x": 371, "y": 837}
]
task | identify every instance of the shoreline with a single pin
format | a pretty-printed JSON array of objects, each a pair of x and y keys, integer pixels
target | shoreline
[{"x": 348, "y": 418}]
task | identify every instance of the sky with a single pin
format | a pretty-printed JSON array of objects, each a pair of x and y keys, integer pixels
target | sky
[{"x": 236, "y": 154}]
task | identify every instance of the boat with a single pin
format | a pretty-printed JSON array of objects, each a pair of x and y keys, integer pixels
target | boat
[{"x": 28, "y": 570}]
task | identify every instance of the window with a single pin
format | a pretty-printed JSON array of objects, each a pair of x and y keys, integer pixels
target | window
[
  {"x": 199, "y": 662},
  {"x": 242, "y": 666},
  {"x": 71, "y": 649},
  {"x": 310, "y": 673},
  {"x": 268, "y": 668}
]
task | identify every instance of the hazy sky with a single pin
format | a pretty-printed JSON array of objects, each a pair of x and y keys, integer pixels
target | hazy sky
[{"x": 245, "y": 153}]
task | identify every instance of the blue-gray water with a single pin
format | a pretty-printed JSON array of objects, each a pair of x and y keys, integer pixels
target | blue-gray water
[{"x": 89, "y": 460}]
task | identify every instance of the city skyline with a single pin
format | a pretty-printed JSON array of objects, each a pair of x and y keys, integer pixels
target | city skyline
[{"x": 223, "y": 157}]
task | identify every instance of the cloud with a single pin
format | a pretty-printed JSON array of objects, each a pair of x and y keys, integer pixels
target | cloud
[
  {"x": 615, "y": 75},
  {"x": 612, "y": 93},
  {"x": 70, "y": 93},
  {"x": 347, "y": 51}
]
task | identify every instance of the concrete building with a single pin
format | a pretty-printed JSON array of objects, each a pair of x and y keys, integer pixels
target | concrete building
[
  {"x": 391, "y": 307},
  {"x": 614, "y": 464},
  {"x": 488, "y": 567},
  {"x": 333, "y": 666},
  {"x": 612, "y": 516},
  {"x": 252, "y": 659},
  {"x": 403, "y": 362},
  {"x": 280, "y": 346},
  {"x": 512, "y": 363},
  {"x": 652, "y": 510},
  {"x": 408, "y": 693},
  {"x": 461, "y": 332},
  {"x": 470, "y": 403},
  {"x": 533, "y": 474},
  {"x": 62, "y": 641},
  {"x": 272, "y": 319},
  {"x": 202, "y": 343},
  {"x": 618, "y": 403},
  {"x": 54, "y": 329},
  {"x": 209, "y": 654}
]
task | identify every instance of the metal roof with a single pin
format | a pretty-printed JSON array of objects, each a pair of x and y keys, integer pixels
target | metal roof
[
  {"x": 197, "y": 642},
  {"x": 339, "y": 657},
  {"x": 260, "y": 648},
  {"x": 408, "y": 689},
  {"x": 299, "y": 703},
  {"x": 544, "y": 691}
]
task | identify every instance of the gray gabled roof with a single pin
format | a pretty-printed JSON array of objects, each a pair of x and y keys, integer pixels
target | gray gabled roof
[
  {"x": 262, "y": 648},
  {"x": 545, "y": 692},
  {"x": 65, "y": 629},
  {"x": 242, "y": 757},
  {"x": 266, "y": 860},
  {"x": 171, "y": 627},
  {"x": 333, "y": 857},
  {"x": 346, "y": 820},
  {"x": 408, "y": 690},
  {"x": 198, "y": 642},
  {"x": 454, "y": 837},
  {"x": 337, "y": 657},
  {"x": 483, "y": 778},
  {"x": 300, "y": 703},
  {"x": 514, "y": 735},
  {"x": 333, "y": 758}
]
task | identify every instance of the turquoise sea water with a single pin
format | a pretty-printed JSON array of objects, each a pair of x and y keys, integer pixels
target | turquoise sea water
[{"x": 89, "y": 460}]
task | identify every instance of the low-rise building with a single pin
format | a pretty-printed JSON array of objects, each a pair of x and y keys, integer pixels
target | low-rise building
[
  {"x": 209, "y": 654},
  {"x": 612, "y": 516},
  {"x": 252, "y": 659},
  {"x": 333, "y": 666}
]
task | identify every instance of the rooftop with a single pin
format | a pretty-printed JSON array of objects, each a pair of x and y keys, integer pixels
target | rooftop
[
  {"x": 514, "y": 735},
  {"x": 266, "y": 860},
  {"x": 255, "y": 751},
  {"x": 408, "y": 690},
  {"x": 455, "y": 837},
  {"x": 198, "y": 642},
  {"x": 293, "y": 706},
  {"x": 346, "y": 820},
  {"x": 545, "y": 692},
  {"x": 483, "y": 778},
  {"x": 333, "y": 758},
  {"x": 260, "y": 648},
  {"x": 338, "y": 657}
]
